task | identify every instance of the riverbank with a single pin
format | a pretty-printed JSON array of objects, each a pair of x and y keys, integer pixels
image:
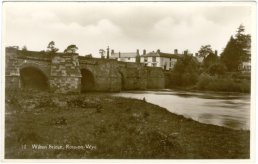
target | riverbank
[
  {"x": 214, "y": 84},
  {"x": 97, "y": 126}
]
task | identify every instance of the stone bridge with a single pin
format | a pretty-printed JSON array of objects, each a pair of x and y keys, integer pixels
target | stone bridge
[{"x": 64, "y": 73}]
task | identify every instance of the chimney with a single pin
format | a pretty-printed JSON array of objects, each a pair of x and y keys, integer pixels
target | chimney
[
  {"x": 144, "y": 52},
  {"x": 138, "y": 58},
  {"x": 175, "y": 51},
  {"x": 119, "y": 55},
  {"x": 216, "y": 52},
  {"x": 108, "y": 52},
  {"x": 112, "y": 52},
  {"x": 158, "y": 51}
]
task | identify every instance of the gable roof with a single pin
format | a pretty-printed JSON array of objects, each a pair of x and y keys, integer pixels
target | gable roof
[
  {"x": 124, "y": 55},
  {"x": 161, "y": 54}
]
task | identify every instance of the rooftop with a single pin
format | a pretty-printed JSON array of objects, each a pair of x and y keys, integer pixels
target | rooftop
[
  {"x": 124, "y": 55},
  {"x": 161, "y": 54}
]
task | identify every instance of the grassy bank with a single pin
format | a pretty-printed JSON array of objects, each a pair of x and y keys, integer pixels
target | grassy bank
[{"x": 110, "y": 127}]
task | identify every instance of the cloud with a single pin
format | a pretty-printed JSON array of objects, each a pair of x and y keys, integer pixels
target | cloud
[{"x": 123, "y": 26}]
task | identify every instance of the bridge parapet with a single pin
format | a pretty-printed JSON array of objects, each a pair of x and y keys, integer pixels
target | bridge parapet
[{"x": 63, "y": 72}]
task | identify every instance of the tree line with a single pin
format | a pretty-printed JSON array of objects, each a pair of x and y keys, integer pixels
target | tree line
[
  {"x": 51, "y": 48},
  {"x": 215, "y": 72}
]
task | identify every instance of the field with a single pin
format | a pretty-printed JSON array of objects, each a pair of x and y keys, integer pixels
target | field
[{"x": 41, "y": 125}]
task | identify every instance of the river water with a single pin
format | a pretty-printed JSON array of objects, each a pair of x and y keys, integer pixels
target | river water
[{"x": 224, "y": 109}]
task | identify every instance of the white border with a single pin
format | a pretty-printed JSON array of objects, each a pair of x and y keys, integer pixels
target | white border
[{"x": 254, "y": 74}]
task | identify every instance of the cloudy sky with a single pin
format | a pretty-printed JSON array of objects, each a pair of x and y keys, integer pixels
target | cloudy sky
[{"x": 124, "y": 27}]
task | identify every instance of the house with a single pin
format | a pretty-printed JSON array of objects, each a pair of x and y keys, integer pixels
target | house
[
  {"x": 245, "y": 66},
  {"x": 166, "y": 61},
  {"x": 125, "y": 56}
]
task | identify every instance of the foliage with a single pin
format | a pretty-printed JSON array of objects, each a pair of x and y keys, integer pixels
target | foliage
[
  {"x": 210, "y": 60},
  {"x": 185, "y": 71},
  {"x": 51, "y": 47},
  {"x": 71, "y": 49},
  {"x": 24, "y": 48},
  {"x": 231, "y": 56},
  {"x": 205, "y": 51},
  {"x": 237, "y": 50},
  {"x": 88, "y": 56},
  {"x": 217, "y": 69},
  {"x": 102, "y": 52},
  {"x": 225, "y": 84}
]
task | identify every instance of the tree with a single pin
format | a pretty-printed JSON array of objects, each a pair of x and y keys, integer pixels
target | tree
[
  {"x": 71, "y": 49},
  {"x": 185, "y": 71},
  {"x": 24, "y": 48},
  {"x": 205, "y": 51},
  {"x": 51, "y": 47},
  {"x": 102, "y": 52},
  {"x": 88, "y": 56},
  {"x": 218, "y": 69},
  {"x": 231, "y": 56},
  {"x": 243, "y": 41},
  {"x": 211, "y": 59},
  {"x": 237, "y": 50}
]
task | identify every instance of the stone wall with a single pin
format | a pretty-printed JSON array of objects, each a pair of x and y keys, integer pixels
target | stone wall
[
  {"x": 105, "y": 73},
  {"x": 64, "y": 72},
  {"x": 135, "y": 76},
  {"x": 155, "y": 78},
  {"x": 12, "y": 73}
]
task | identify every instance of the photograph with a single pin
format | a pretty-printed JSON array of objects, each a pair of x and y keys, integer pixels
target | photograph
[{"x": 128, "y": 80}]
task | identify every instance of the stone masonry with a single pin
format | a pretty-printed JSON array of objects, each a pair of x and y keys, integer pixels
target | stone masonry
[{"x": 63, "y": 72}]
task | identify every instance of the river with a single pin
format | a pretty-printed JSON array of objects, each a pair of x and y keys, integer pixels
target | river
[{"x": 230, "y": 110}]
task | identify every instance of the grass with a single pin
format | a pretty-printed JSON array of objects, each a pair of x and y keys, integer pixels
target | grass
[{"x": 116, "y": 128}]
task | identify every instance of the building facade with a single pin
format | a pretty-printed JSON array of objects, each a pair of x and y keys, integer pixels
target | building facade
[
  {"x": 125, "y": 56},
  {"x": 166, "y": 61}
]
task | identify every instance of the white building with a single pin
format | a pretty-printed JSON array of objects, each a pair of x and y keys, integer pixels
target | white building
[
  {"x": 245, "y": 66},
  {"x": 166, "y": 61},
  {"x": 124, "y": 56}
]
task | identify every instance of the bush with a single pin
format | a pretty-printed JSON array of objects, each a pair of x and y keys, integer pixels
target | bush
[
  {"x": 217, "y": 69},
  {"x": 185, "y": 72},
  {"x": 225, "y": 84}
]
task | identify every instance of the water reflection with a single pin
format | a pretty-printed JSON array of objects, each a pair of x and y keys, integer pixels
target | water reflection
[{"x": 224, "y": 109}]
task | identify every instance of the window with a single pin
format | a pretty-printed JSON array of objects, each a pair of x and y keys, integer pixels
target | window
[
  {"x": 145, "y": 59},
  {"x": 128, "y": 58},
  {"x": 154, "y": 64},
  {"x": 153, "y": 59}
]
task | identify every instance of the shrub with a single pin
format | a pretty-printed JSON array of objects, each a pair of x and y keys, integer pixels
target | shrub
[
  {"x": 185, "y": 72},
  {"x": 217, "y": 69},
  {"x": 225, "y": 84}
]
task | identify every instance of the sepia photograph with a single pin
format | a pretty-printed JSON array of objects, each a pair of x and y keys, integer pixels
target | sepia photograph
[{"x": 128, "y": 80}]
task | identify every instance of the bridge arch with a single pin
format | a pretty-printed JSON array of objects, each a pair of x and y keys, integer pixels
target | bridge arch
[
  {"x": 33, "y": 77},
  {"x": 87, "y": 80}
]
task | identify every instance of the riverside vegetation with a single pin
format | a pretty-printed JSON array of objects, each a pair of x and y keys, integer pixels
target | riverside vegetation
[
  {"x": 216, "y": 73},
  {"x": 112, "y": 127}
]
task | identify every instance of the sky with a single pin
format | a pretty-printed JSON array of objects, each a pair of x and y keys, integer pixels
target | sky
[{"x": 124, "y": 27}]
